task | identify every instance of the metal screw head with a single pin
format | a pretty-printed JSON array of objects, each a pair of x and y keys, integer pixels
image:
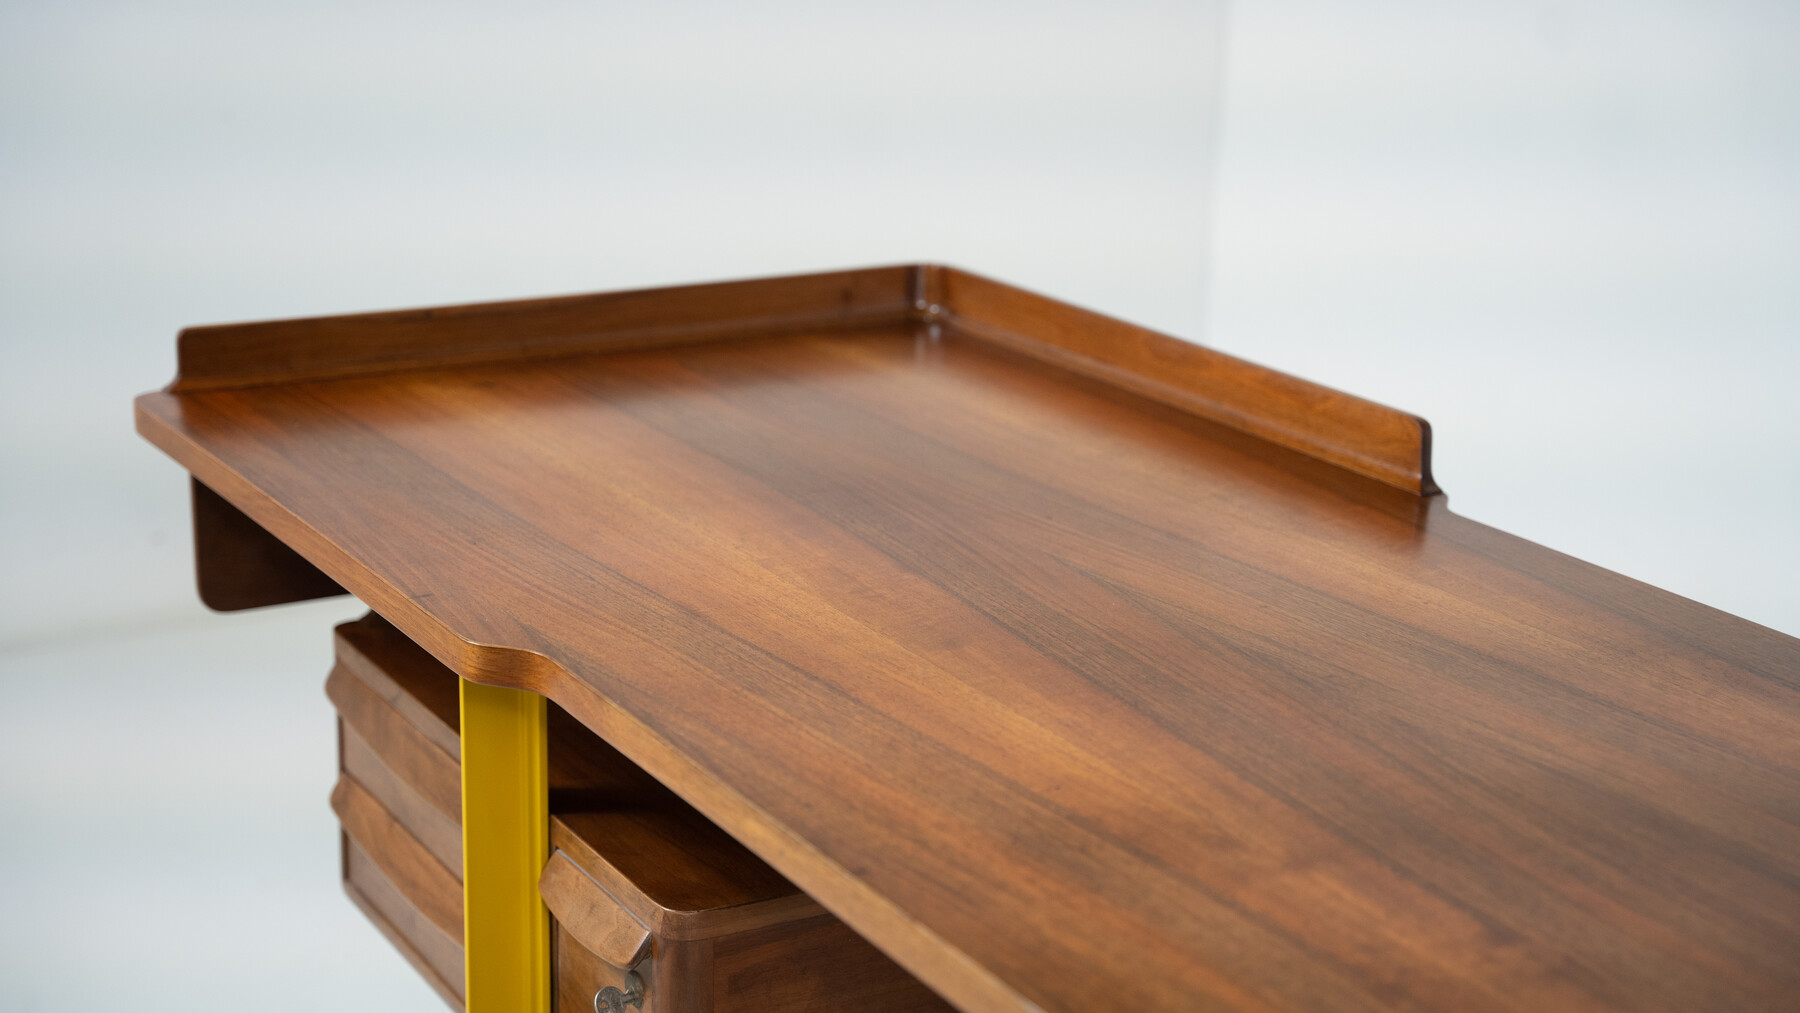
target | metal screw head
[{"x": 611, "y": 1000}]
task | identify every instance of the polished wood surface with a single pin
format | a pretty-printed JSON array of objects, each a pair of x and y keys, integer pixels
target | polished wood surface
[
  {"x": 238, "y": 565},
  {"x": 677, "y": 873},
  {"x": 1346, "y": 430},
  {"x": 441, "y": 834},
  {"x": 578, "y": 973},
  {"x": 281, "y": 351},
  {"x": 816, "y": 965},
  {"x": 590, "y": 914},
  {"x": 1067, "y": 696},
  {"x": 424, "y": 881},
  {"x": 433, "y": 952},
  {"x": 401, "y": 746},
  {"x": 406, "y": 678},
  {"x": 1359, "y": 435}
]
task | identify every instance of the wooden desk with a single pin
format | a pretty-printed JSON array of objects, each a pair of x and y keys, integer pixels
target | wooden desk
[{"x": 1075, "y": 667}]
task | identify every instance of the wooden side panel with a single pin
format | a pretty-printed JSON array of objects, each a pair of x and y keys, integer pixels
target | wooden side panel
[
  {"x": 238, "y": 565},
  {"x": 813, "y": 966},
  {"x": 681, "y": 977},
  {"x": 1370, "y": 439},
  {"x": 281, "y": 351}
]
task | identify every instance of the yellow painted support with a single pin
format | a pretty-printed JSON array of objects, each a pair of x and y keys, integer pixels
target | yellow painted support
[{"x": 505, "y": 826}]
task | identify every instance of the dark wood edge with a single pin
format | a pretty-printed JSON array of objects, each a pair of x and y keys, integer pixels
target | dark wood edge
[
  {"x": 1364, "y": 437},
  {"x": 945, "y": 969},
  {"x": 395, "y": 936}
]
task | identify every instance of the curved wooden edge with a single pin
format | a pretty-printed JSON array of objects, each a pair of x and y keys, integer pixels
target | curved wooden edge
[
  {"x": 408, "y": 864},
  {"x": 1370, "y": 439},
  {"x": 445, "y": 989},
  {"x": 430, "y": 771},
  {"x": 591, "y": 915},
  {"x": 934, "y": 961}
]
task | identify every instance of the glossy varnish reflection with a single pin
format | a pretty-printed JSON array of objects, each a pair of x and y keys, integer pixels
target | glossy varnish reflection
[{"x": 1068, "y": 695}]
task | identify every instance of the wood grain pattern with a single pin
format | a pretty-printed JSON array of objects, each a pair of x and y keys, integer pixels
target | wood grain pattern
[
  {"x": 591, "y": 915},
  {"x": 676, "y": 872},
  {"x": 1065, "y": 698},
  {"x": 1347, "y": 431},
  {"x": 578, "y": 973},
  {"x": 1369, "y": 439},
  {"x": 406, "y": 678},
  {"x": 403, "y": 861},
  {"x": 279, "y": 351},
  {"x": 439, "y": 833},
  {"x": 813, "y": 966},
  {"x": 433, "y": 953},
  {"x": 405, "y": 749},
  {"x": 681, "y": 977},
  {"x": 238, "y": 565}
]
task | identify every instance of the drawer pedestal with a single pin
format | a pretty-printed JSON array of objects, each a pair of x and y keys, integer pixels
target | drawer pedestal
[{"x": 648, "y": 898}]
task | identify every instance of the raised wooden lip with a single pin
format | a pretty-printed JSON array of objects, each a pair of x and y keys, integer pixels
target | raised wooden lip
[
  {"x": 1361, "y": 436},
  {"x": 1315, "y": 420}
]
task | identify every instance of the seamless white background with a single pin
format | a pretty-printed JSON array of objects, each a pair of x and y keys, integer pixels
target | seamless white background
[{"x": 1566, "y": 233}]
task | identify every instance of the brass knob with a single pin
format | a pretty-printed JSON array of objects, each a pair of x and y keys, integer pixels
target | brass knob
[{"x": 611, "y": 1000}]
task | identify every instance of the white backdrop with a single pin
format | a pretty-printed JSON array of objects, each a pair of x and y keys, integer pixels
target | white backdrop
[{"x": 1566, "y": 233}]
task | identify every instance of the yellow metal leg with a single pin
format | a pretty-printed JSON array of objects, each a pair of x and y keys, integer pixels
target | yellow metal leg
[{"x": 505, "y": 825}]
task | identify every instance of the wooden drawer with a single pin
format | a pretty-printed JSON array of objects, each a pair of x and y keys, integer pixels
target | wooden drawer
[
  {"x": 399, "y": 795},
  {"x": 638, "y": 882},
  {"x": 410, "y": 896},
  {"x": 399, "y": 791},
  {"x": 400, "y": 716},
  {"x": 705, "y": 926}
]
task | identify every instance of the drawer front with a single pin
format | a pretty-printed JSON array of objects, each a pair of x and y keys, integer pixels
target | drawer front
[
  {"x": 404, "y": 889},
  {"x": 406, "y": 676},
  {"x": 591, "y": 915},
  {"x": 433, "y": 952},
  {"x": 402, "y": 747},
  {"x": 772, "y": 956},
  {"x": 677, "y": 977},
  {"x": 578, "y": 975},
  {"x": 440, "y": 834},
  {"x": 426, "y": 882}
]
